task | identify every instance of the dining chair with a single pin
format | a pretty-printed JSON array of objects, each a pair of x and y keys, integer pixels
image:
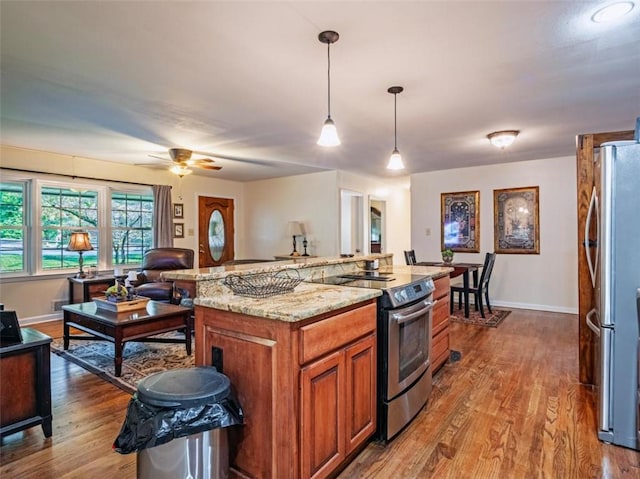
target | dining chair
[
  {"x": 481, "y": 289},
  {"x": 410, "y": 257}
]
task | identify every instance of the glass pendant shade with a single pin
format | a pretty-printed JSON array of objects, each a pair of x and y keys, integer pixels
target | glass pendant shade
[
  {"x": 395, "y": 161},
  {"x": 329, "y": 134},
  {"x": 180, "y": 170}
]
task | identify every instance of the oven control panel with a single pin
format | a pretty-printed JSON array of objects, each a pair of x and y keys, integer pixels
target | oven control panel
[{"x": 409, "y": 293}]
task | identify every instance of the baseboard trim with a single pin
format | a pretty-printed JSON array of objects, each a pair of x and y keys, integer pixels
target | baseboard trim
[
  {"x": 40, "y": 319},
  {"x": 536, "y": 307}
]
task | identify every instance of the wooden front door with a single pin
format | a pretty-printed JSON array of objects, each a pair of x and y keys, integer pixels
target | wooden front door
[{"x": 215, "y": 231}]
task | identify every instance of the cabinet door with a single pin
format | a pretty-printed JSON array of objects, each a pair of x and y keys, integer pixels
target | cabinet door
[
  {"x": 322, "y": 416},
  {"x": 360, "y": 360}
]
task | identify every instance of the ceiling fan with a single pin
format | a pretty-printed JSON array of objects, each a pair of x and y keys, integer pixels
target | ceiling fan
[{"x": 183, "y": 161}]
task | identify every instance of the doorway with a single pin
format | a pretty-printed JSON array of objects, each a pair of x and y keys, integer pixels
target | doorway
[
  {"x": 377, "y": 225},
  {"x": 215, "y": 231},
  {"x": 351, "y": 222}
]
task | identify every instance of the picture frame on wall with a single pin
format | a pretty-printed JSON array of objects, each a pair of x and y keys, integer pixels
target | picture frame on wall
[
  {"x": 460, "y": 221},
  {"x": 178, "y": 230},
  {"x": 516, "y": 220},
  {"x": 178, "y": 210}
]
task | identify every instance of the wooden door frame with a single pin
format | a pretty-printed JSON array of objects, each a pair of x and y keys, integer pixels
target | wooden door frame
[
  {"x": 585, "y": 146},
  {"x": 228, "y": 229}
]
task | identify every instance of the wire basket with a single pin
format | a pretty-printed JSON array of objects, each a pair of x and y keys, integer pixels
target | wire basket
[{"x": 263, "y": 285}]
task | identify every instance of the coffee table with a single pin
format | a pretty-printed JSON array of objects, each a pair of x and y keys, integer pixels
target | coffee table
[{"x": 119, "y": 328}]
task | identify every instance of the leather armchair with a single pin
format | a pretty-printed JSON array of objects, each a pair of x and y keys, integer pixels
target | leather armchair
[{"x": 154, "y": 263}]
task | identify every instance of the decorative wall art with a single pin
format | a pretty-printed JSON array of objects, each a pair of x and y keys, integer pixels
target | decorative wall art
[
  {"x": 460, "y": 219},
  {"x": 178, "y": 230},
  {"x": 516, "y": 220},
  {"x": 178, "y": 210}
]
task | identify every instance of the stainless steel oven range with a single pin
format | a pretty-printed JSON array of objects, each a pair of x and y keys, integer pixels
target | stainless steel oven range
[{"x": 404, "y": 344}]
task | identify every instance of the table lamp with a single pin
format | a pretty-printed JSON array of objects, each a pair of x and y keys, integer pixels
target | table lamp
[
  {"x": 294, "y": 229},
  {"x": 80, "y": 242}
]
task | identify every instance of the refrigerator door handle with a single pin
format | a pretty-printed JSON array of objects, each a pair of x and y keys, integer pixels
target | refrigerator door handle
[
  {"x": 593, "y": 209},
  {"x": 592, "y": 326}
]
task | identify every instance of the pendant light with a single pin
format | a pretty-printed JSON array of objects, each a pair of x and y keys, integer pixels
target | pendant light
[
  {"x": 395, "y": 161},
  {"x": 329, "y": 134}
]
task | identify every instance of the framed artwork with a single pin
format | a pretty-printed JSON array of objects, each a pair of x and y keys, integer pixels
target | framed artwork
[
  {"x": 178, "y": 230},
  {"x": 516, "y": 220},
  {"x": 178, "y": 210},
  {"x": 460, "y": 221}
]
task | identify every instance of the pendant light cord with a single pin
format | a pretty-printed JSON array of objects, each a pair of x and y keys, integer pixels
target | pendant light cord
[
  {"x": 395, "y": 121},
  {"x": 328, "y": 80}
]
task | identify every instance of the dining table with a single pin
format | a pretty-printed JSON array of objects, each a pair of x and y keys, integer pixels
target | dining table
[{"x": 459, "y": 269}]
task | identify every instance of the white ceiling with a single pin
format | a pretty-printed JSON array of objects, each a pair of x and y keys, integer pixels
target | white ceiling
[{"x": 118, "y": 81}]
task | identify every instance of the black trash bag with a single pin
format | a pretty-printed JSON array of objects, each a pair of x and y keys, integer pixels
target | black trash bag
[{"x": 148, "y": 426}]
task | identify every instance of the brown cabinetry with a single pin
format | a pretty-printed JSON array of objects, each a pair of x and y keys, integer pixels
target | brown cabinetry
[
  {"x": 26, "y": 384},
  {"x": 440, "y": 325},
  {"x": 338, "y": 406},
  {"x": 308, "y": 388}
]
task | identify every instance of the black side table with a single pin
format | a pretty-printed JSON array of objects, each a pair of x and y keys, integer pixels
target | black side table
[
  {"x": 83, "y": 290},
  {"x": 26, "y": 383}
]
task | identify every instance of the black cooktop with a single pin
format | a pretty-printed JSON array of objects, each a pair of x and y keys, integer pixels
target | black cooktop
[{"x": 369, "y": 275}]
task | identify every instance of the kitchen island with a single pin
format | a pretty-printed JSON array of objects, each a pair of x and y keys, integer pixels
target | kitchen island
[{"x": 302, "y": 364}]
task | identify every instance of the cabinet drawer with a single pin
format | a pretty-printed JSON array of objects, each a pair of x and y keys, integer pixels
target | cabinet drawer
[
  {"x": 440, "y": 316},
  {"x": 442, "y": 287},
  {"x": 440, "y": 349},
  {"x": 329, "y": 334},
  {"x": 94, "y": 290}
]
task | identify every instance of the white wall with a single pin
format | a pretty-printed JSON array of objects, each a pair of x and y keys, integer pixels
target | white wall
[
  {"x": 547, "y": 281},
  {"x": 396, "y": 194},
  {"x": 32, "y": 298},
  {"x": 311, "y": 199}
]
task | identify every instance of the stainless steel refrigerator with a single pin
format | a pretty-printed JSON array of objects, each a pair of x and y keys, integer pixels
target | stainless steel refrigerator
[{"x": 614, "y": 264}]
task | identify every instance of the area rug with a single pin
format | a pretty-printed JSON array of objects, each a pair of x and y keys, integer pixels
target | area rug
[
  {"x": 492, "y": 320},
  {"x": 139, "y": 359}
]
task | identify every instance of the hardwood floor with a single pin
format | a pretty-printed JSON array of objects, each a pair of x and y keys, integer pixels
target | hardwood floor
[{"x": 512, "y": 407}]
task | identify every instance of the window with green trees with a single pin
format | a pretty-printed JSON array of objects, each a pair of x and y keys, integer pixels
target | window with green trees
[
  {"x": 37, "y": 217},
  {"x": 13, "y": 227}
]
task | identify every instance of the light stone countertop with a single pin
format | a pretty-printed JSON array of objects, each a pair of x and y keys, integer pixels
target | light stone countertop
[
  {"x": 306, "y": 301},
  {"x": 299, "y": 262}
]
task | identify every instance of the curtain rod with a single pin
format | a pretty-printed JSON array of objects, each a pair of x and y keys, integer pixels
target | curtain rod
[{"x": 76, "y": 176}]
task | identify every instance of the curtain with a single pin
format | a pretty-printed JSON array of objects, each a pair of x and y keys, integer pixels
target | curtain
[{"x": 162, "y": 217}]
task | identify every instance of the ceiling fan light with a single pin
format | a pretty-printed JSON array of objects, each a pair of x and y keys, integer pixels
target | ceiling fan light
[
  {"x": 329, "y": 134},
  {"x": 502, "y": 139},
  {"x": 180, "y": 170},
  {"x": 395, "y": 161}
]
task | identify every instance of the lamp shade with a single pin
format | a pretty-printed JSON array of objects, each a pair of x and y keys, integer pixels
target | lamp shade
[
  {"x": 294, "y": 228},
  {"x": 79, "y": 241}
]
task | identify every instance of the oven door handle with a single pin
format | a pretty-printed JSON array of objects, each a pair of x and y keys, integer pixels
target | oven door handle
[{"x": 412, "y": 312}]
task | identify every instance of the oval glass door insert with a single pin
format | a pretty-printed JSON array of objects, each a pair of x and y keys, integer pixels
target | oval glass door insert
[{"x": 216, "y": 235}]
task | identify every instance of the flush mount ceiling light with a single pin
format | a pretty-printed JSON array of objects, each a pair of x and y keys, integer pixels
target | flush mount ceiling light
[
  {"x": 180, "y": 170},
  {"x": 395, "y": 161},
  {"x": 502, "y": 139},
  {"x": 612, "y": 12},
  {"x": 329, "y": 134}
]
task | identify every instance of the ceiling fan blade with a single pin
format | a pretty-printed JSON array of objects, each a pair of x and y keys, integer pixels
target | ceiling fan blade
[
  {"x": 235, "y": 158},
  {"x": 159, "y": 158},
  {"x": 200, "y": 161},
  {"x": 208, "y": 167}
]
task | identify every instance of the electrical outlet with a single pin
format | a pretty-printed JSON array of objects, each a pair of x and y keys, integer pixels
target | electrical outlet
[
  {"x": 427, "y": 231},
  {"x": 190, "y": 232}
]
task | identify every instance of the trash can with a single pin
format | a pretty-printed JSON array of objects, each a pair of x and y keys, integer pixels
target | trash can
[{"x": 176, "y": 423}]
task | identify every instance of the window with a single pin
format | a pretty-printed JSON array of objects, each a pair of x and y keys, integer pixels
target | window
[
  {"x": 62, "y": 211},
  {"x": 38, "y": 215},
  {"x": 13, "y": 226},
  {"x": 131, "y": 226}
]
